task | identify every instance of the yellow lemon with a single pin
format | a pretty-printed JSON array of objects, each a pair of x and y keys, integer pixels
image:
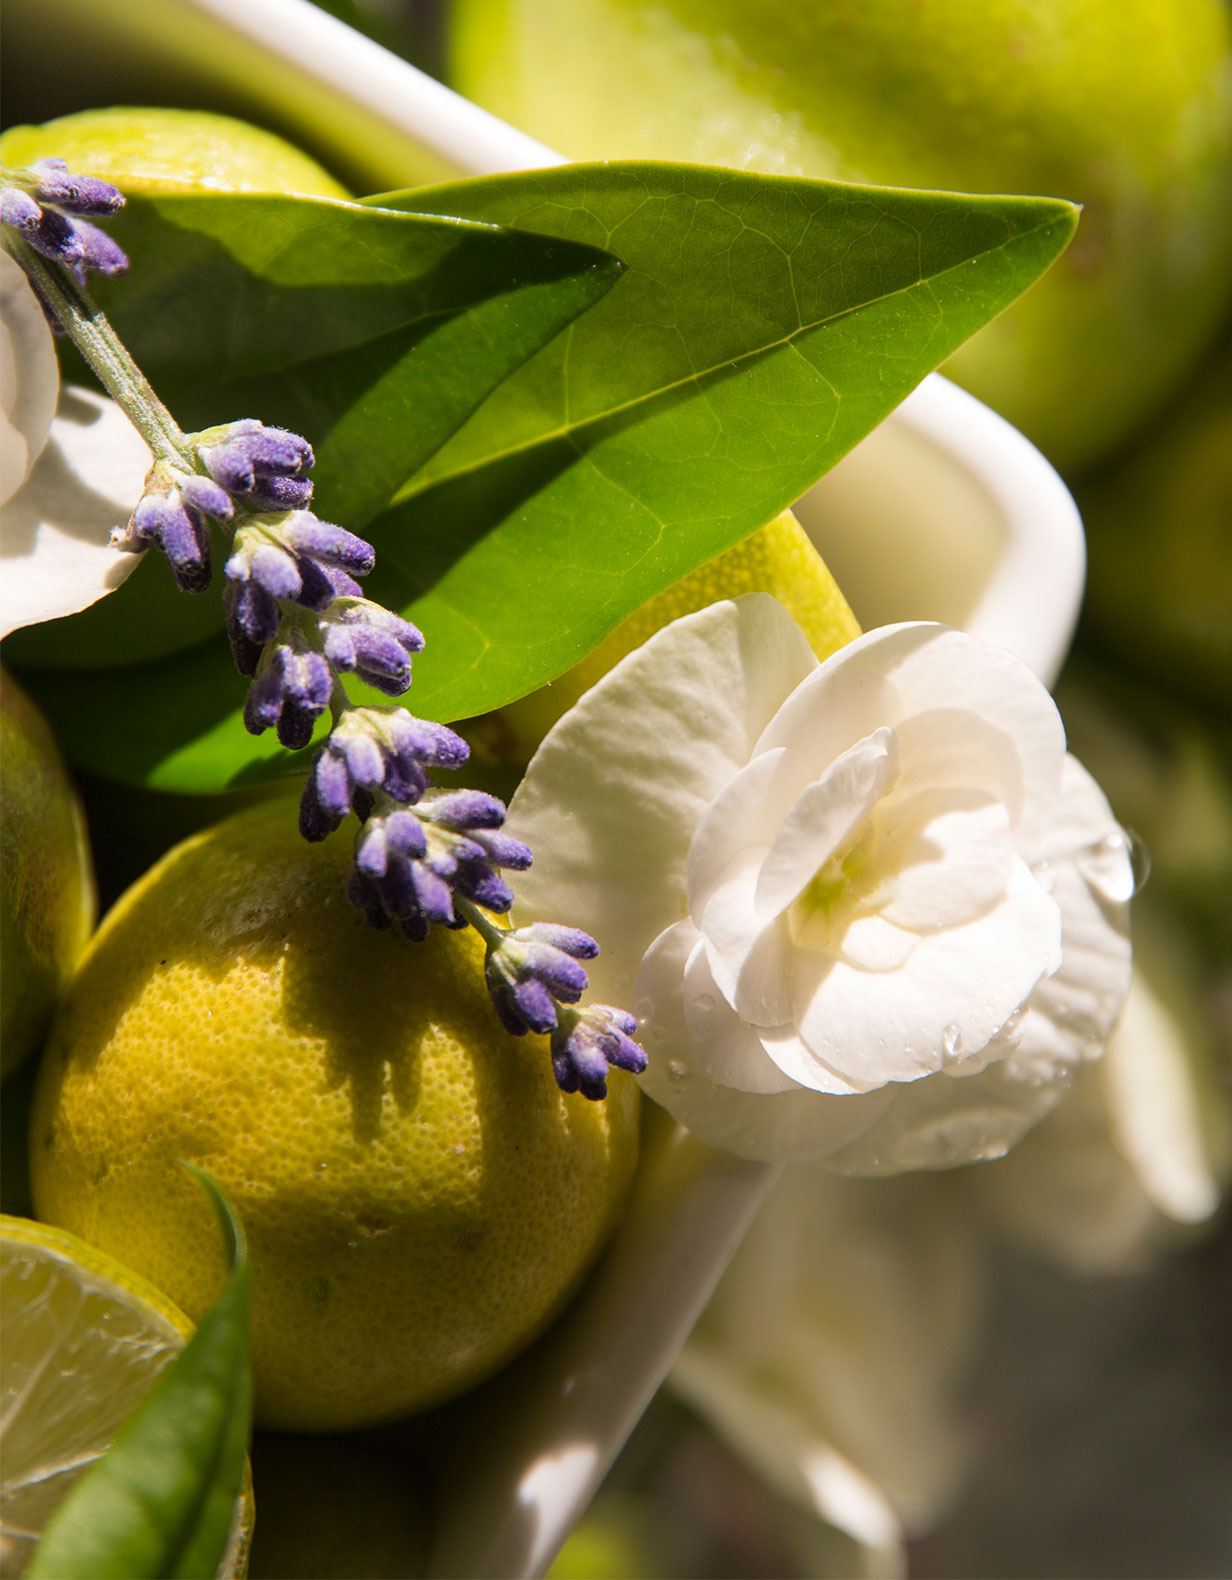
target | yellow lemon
[
  {"x": 47, "y": 899},
  {"x": 779, "y": 560},
  {"x": 1122, "y": 105},
  {"x": 161, "y": 150},
  {"x": 419, "y": 1198},
  {"x": 84, "y": 1342}
]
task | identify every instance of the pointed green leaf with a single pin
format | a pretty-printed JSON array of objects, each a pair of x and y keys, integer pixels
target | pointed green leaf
[{"x": 160, "y": 1503}]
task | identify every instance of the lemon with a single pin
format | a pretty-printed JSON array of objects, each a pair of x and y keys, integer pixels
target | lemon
[
  {"x": 161, "y": 150},
  {"x": 84, "y": 1341},
  {"x": 419, "y": 1197},
  {"x": 47, "y": 901},
  {"x": 1122, "y": 105},
  {"x": 778, "y": 559}
]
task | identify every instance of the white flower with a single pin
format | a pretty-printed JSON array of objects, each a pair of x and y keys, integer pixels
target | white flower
[
  {"x": 67, "y": 479},
  {"x": 866, "y": 910},
  {"x": 833, "y": 1352},
  {"x": 1133, "y": 1158}
]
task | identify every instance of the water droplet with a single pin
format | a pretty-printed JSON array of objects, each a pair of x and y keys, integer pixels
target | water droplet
[
  {"x": 678, "y": 1070},
  {"x": 951, "y": 1044},
  {"x": 705, "y": 1002},
  {"x": 1115, "y": 866},
  {"x": 1044, "y": 875},
  {"x": 643, "y": 1009}
]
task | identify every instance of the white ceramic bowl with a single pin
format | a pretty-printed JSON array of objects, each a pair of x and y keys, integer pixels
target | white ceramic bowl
[{"x": 946, "y": 512}]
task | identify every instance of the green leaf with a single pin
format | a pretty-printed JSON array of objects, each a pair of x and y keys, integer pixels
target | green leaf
[
  {"x": 373, "y": 332},
  {"x": 160, "y": 1503},
  {"x": 762, "y": 326}
]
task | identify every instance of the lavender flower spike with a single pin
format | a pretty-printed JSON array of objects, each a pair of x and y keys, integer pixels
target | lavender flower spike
[{"x": 46, "y": 204}]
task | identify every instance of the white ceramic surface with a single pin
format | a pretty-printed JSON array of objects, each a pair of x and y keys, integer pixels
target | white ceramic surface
[{"x": 946, "y": 512}]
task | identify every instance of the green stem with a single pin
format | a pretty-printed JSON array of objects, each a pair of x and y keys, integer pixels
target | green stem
[
  {"x": 479, "y": 920},
  {"x": 87, "y": 327}
]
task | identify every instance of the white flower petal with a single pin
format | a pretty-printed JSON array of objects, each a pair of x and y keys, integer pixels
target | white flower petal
[
  {"x": 870, "y": 943},
  {"x": 1154, "y": 1112},
  {"x": 793, "y": 1124},
  {"x": 749, "y": 957},
  {"x": 952, "y": 995},
  {"x": 1071, "y": 1016},
  {"x": 948, "y": 862},
  {"x": 29, "y": 377},
  {"x": 612, "y": 797},
  {"x": 951, "y": 748},
  {"x": 725, "y": 1048},
  {"x": 824, "y": 817},
  {"x": 745, "y": 812},
  {"x": 939, "y": 1124},
  {"x": 55, "y": 554}
]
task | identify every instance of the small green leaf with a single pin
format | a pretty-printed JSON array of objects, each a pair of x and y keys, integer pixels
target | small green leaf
[
  {"x": 160, "y": 1503},
  {"x": 762, "y": 326}
]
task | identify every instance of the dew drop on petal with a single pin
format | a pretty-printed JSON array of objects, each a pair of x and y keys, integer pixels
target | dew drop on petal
[
  {"x": 705, "y": 1002},
  {"x": 678, "y": 1070},
  {"x": 1115, "y": 866},
  {"x": 951, "y": 1044}
]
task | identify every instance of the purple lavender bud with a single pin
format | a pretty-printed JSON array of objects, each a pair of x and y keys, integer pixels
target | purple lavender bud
[
  {"x": 247, "y": 458},
  {"x": 98, "y": 252},
  {"x": 291, "y": 691},
  {"x": 253, "y": 612},
  {"x": 372, "y": 850},
  {"x": 278, "y": 493},
  {"x": 434, "y": 745},
  {"x": 331, "y": 545},
  {"x": 405, "y": 835},
  {"x": 569, "y": 940},
  {"x": 466, "y": 809},
  {"x": 77, "y": 194},
  {"x": 504, "y": 851},
  {"x": 273, "y": 568},
  {"x": 164, "y": 520},
  {"x": 477, "y": 881},
  {"x": 56, "y": 238},
  {"x": 206, "y": 496},
  {"x": 317, "y": 590},
  {"x": 405, "y": 781},
  {"x": 585, "y": 1043},
  {"x": 18, "y": 209},
  {"x": 378, "y": 659}
]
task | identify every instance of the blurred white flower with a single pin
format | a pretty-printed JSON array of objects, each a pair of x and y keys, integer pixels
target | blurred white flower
[
  {"x": 832, "y": 1354},
  {"x": 867, "y": 910},
  {"x": 1135, "y": 1155},
  {"x": 67, "y": 479}
]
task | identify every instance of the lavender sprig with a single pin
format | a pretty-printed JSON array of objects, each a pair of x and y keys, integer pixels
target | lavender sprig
[{"x": 298, "y": 622}]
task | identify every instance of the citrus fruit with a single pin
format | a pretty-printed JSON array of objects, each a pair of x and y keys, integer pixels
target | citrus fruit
[
  {"x": 84, "y": 1341},
  {"x": 778, "y": 559},
  {"x": 1122, "y": 105},
  {"x": 141, "y": 149},
  {"x": 418, "y": 1196},
  {"x": 46, "y": 880}
]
